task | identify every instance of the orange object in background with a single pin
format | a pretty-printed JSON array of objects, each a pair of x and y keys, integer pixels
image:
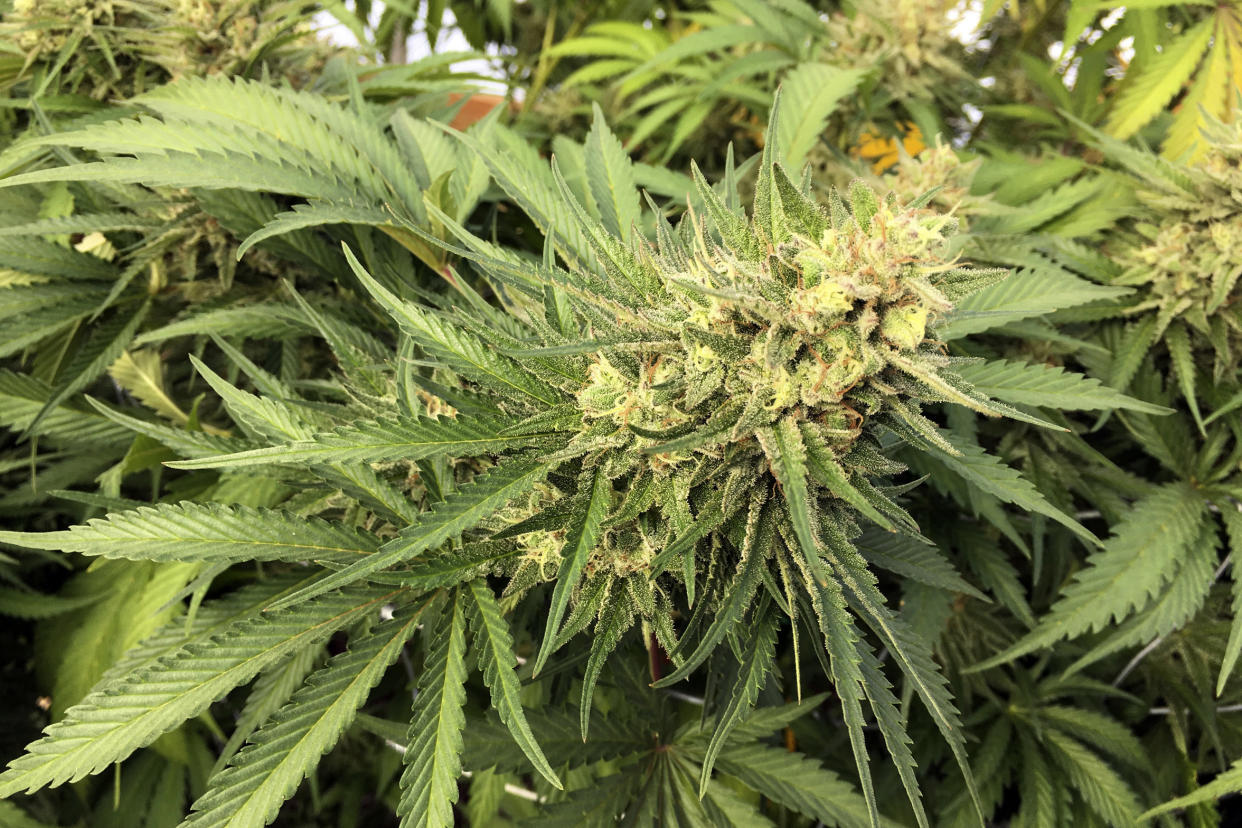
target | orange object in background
[
  {"x": 476, "y": 108},
  {"x": 882, "y": 151}
]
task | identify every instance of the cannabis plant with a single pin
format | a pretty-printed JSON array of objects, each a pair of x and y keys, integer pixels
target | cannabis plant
[
  {"x": 499, "y": 477},
  {"x": 685, "y": 433},
  {"x": 709, "y": 76},
  {"x": 1183, "y": 259},
  {"x": 101, "y": 50}
]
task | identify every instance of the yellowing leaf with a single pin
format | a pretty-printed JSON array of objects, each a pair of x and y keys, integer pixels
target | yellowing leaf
[
  {"x": 1209, "y": 94},
  {"x": 142, "y": 374},
  {"x": 1144, "y": 97},
  {"x": 96, "y": 244}
]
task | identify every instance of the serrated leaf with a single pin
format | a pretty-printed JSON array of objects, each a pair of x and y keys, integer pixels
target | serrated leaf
[
  {"x": 1104, "y": 791},
  {"x": 611, "y": 178},
  {"x": 1232, "y": 519},
  {"x": 1145, "y": 96},
  {"x": 991, "y": 475},
  {"x": 1025, "y": 293},
  {"x": 912, "y": 653},
  {"x": 461, "y": 511},
  {"x": 106, "y": 342},
  {"x": 914, "y": 559},
  {"x": 129, "y": 711},
  {"x": 796, "y": 781},
  {"x": 809, "y": 94},
  {"x": 1173, "y": 608},
  {"x": 270, "y": 692},
  {"x": 756, "y": 661},
  {"x": 494, "y": 649},
  {"x": 387, "y": 440},
  {"x": 461, "y": 350},
  {"x": 434, "y": 744},
  {"x": 841, "y": 642},
  {"x": 1131, "y": 567},
  {"x": 760, "y": 532},
  {"x": 1177, "y": 340},
  {"x": 585, "y": 529},
  {"x": 829, "y": 473},
  {"x": 262, "y": 417},
  {"x": 1225, "y": 783},
  {"x": 204, "y": 532},
  {"x": 288, "y": 747},
  {"x": 616, "y": 616},
  {"x": 787, "y": 454},
  {"x": 1048, "y": 385}
]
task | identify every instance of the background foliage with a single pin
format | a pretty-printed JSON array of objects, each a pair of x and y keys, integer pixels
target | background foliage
[{"x": 783, "y": 413}]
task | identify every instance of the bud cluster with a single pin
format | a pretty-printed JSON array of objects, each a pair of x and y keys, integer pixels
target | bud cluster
[
  {"x": 826, "y": 328},
  {"x": 120, "y": 49},
  {"x": 810, "y": 329},
  {"x": 1187, "y": 259}
]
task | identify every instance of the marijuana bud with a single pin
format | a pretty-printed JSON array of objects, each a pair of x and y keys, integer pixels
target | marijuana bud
[
  {"x": 812, "y": 321},
  {"x": 1186, "y": 258}
]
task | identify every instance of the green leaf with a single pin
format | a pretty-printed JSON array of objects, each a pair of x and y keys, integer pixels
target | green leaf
[
  {"x": 611, "y": 178},
  {"x": 1048, "y": 385},
  {"x": 13, "y": 817},
  {"x": 107, "y": 341},
  {"x": 914, "y": 559},
  {"x": 463, "y": 510},
  {"x": 1136, "y": 341},
  {"x": 733, "y": 228},
  {"x": 315, "y": 215},
  {"x": 270, "y": 692},
  {"x": 21, "y": 399},
  {"x": 809, "y": 95},
  {"x": 910, "y": 651},
  {"x": 616, "y": 616},
  {"x": 1225, "y": 783},
  {"x": 459, "y": 349},
  {"x": 451, "y": 568},
  {"x": 842, "y": 642},
  {"x": 132, "y": 601},
  {"x": 21, "y": 603},
  {"x": 434, "y": 745},
  {"x": 787, "y": 454},
  {"x": 381, "y": 441},
  {"x": 798, "y": 782},
  {"x": 1025, "y": 293},
  {"x": 1177, "y": 340},
  {"x": 262, "y": 417},
  {"x": 1131, "y": 568},
  {"x": 287, "y": 748},
  {"x": 584, "y": 531},
  {"x": 1232, "y": 519},
  {"x": 515, "y": 166},
  {"x": 494, "y": 649},
  {"x": 1104, "y": 791},
  {"x": 830, "y": 474},
  {"x": 709, "y": 518},
  {"x": 1144, "y": 97},
  {"x": 204, "y": 532},
  {"x": 1178, "y": 601},
  {"x": 129, "y": 711},
  {"x": 596, "y": 804},
  {"x": 757, "y": 656},
  {"x": 760, "y": 534},
  {"x": 991, "y": 475}
]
